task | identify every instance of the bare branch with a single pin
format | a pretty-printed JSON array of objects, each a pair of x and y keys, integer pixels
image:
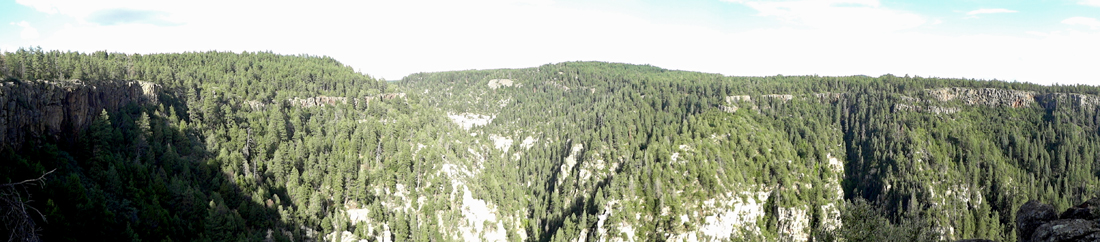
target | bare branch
[
  {"x": 14, "y": 208},
  {"x": 28, "y": 180}
]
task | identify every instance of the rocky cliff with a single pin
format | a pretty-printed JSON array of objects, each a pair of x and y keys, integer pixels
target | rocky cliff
[
  {"x": 1053, "y": 100},
  {"x": 984, "y": 96},
  {"x": 59, "y": 109}
]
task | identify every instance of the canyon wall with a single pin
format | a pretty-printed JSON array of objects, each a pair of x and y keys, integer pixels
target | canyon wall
[{"x": 59, "y": 109}]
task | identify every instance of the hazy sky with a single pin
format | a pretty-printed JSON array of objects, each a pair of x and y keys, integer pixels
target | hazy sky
[{"x": 1041, "y": 41}]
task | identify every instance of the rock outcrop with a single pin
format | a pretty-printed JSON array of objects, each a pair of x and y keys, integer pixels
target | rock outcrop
[
  {"x": 1053, "y": 100},
  {"x": 1067, "y": 230},
  {"x": 784, "y": 97},
  {"x": 733, "y": 101},
  {"x": 830, "y": 96},
  {"x": 1038, "y": 222},
  {"x": 388, "y": 96},
  {"x": 925, "y": 109},
  {"x": 59, "y": 110},
  {"x": 310, "y": 102},
  {"x": 738, "y": 98},
  {"x": 496, "y": 83},
  {"x": 318, "y": 101},
  {"x": 1032, "y": 215},
  {"x": 984, "y": 96},
  {"x": 728, "y": 109}
]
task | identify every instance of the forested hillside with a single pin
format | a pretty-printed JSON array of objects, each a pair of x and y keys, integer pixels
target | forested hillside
[
  {"x": 942, "y": 158},
  {"x": 228, "y": 151},
  {"x": 257, "y": 146}
]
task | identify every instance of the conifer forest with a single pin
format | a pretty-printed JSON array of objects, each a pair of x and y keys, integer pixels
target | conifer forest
[{"x": 258, "y": 146}]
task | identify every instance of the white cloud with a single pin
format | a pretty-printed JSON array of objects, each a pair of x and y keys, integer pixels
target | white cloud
[
  {"x": 1090, "y": 22},
  {"x": 1094, "y": 3},
  {"x": 395, "y": 38},
  {"x": 842, "y": 15},
  {"x": 28, "y": 33},
  {"x": 82, "y": 10},
  {"x": 41, "y": 6},
  {"x": 990, "y": 10}
]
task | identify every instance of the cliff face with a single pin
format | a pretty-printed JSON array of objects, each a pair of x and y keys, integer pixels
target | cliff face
[
  {"x": 57, "y": 109},
  {"x": 318, "y": 101},
  {"x": 1054, "y": 100},
  {"x": 984, "y": 96}
]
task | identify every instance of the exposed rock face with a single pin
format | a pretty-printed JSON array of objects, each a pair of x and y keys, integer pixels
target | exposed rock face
[
  {"x": 728, "y": 109},
  {"x": 784, "y": 97},
  {"x": 388, "y": 96},
  {"x": 830, "y": 97},
  {"x": 734, "y": 214},
  {"x": 794, "y": 224},
  {"x": 1037, "y": 222},
  {"x": 1052, "y": 100},
  {"x": 61, "y": 109},
  {"x": 255, "y": 105},
  {"x": 922, "y": 109},
  {"x": 570, "y": 161},
  {"x": 501, "y": 142},
  {"x": 984, "y": 96},
  {"x": 738, "y": 98},
  {"x": 496, "y": 83},
  {"x": 469, "y": 120},
  {"x": 991, "y": 97},
  {"x": 994, "y": 97},
  {"x": 733, "y": 101},
  {"x": 318, "y": 101}
]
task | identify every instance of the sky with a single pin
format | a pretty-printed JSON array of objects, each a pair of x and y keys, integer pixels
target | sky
[{"x": 1038, "y": 41}]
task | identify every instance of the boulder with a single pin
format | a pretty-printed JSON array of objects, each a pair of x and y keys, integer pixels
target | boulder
[
  {"x": 1065, "y": 230},
  {"x": 1030, "y": 216},
  {"x": 1089, "y": 210},
  {"x": 1037, "y": 222}
]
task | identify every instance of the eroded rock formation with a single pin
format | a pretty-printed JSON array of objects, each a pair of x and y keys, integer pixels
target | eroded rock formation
[
  {"x": 59, "y": 109},
  {"x": 1053, "y": 100},
  {"x": 984, "y": 96},
  {"x": 318, "y": 101}
]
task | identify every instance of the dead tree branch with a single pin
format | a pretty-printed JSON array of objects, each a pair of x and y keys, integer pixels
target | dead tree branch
[{"x": 14, "y": 209}]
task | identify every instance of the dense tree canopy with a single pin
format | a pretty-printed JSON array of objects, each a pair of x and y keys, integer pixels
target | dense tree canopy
[{"x": 254, "y": 146}]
